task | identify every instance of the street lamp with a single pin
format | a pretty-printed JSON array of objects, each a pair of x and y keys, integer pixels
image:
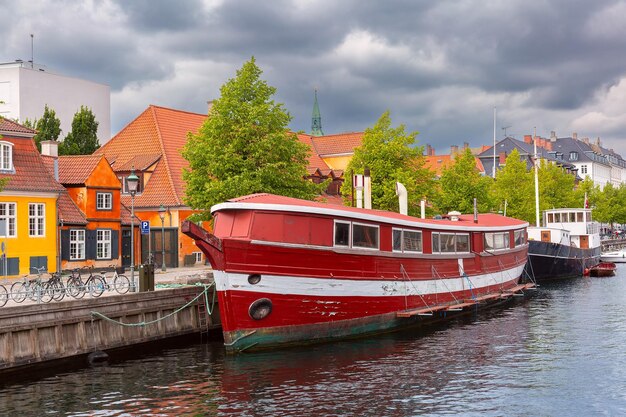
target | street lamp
[
  {"x": 132, "y": 181},
  {"x": 162, "y": 216}
]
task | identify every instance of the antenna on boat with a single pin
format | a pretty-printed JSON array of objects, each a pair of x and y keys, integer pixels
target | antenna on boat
[
  {"x": 536, "y": 177},
  {"x": 494, "y": 142}
]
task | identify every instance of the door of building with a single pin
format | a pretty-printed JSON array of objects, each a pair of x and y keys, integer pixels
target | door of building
[
  {"x": 156, "y": 245},
  {"x": 126, "y": 247}
]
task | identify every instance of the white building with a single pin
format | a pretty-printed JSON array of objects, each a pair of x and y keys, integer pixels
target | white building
[{"x": 25, "y": 91}]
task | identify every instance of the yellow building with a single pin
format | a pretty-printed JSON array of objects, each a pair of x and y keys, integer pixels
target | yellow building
[{"x": 28, "y": 205}]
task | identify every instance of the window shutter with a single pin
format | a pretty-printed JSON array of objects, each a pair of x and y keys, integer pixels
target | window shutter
[
  {"x": 91, "y": 242},
  {"x": 65, "y": 245},
  {"x": 115, "y": 236}
]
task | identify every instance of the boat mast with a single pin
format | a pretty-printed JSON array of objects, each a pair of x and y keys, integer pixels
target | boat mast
[
  {"x": 494, "y": 143},
  {"x": 536, "y": 177}
]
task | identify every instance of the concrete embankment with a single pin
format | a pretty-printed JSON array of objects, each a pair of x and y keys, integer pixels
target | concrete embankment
[{"x": 37, "y": 333}]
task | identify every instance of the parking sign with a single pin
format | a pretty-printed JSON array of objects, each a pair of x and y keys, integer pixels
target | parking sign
[{"x": 145, "y": 227}]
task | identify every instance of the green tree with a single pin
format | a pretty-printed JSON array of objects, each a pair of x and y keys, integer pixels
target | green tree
[
  {"x": 607, "y": 205},
  {"x": 514, "y": 185},
  {"x": 48, "y": 127},
  {"x": 83, "y": 138},
  {"x": 460, "y": 183},
  {"x": 391, "y": 157},
  {"x": 556, "y": 187},
  {"x": 245, "y": 147}
]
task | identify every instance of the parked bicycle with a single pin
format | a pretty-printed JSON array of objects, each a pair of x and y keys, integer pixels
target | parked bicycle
[
  {"x": 94, "y": 284},
  {"x": 75, "y": 284},
  {"x": 121, "y": 283},
  {"x": 4, "y": 296},
  {"x": 34, "y": 289}
]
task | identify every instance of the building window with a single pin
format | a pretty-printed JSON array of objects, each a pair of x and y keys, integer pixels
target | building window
[
  {"x": 77, "y": 245},
  {"x": 198, "y": 256},
  {"x": 6, "y": 156},
  {"x": 7, "y": 219},
  {"x": 407, "y": 241},
  {"x": 36, "y": 219},
  {"x": 104, "y": 201},
  {"x": 103, "y": 248},
  {"x": 445, "y": 243},
  {"x": 583, "y": 169}
]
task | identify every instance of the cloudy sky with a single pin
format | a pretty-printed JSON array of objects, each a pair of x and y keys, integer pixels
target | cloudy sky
[{"x": 440, "y": 66}]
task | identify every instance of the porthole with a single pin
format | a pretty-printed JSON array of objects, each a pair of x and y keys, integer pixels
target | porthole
[
  {"x": 260, "y": 309},
  {"x": 254, "y": 279}
]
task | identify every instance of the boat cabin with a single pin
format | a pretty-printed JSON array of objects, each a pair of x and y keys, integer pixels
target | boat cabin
[{"x": 572, "y": 226}]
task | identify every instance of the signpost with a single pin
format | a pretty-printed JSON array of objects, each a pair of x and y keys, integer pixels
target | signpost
[{"x": 145, "y": 230}]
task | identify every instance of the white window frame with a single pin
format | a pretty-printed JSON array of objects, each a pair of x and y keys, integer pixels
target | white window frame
[
  {"x": 402, "y": 248},
  {"x": 77, "y": 242},
  {"x": 104, "y": 201},
  {"x": 374, "y": 226},
  {"x": 6, "y": 161},
  {"x": 519, "y": 234},
  {"x": 36, "y": 219},
  {"x": 198, "y": 256},
  {"x": 506, "y": 239},
  {"x": 456, "y": 242},
  {"x": 103, "y": 243},
  {"x": 10, "y": 217},
  {"x": 335, "y": 233}
]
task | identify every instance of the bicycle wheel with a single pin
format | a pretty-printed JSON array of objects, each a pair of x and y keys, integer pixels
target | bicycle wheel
[
  {"x": 4, "y": 296},
  {"x": 121, "y": 284},
  {"x": 95, "y": 286},
  {"x": 19, "y": 291},
  {"x": 75, "y": 287},
  {"x": 58, "y": 290},
  {"x": 47, "y": 292}
]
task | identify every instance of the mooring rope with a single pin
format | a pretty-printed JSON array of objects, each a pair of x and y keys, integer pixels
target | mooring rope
[{"x": 145, "y": 323}]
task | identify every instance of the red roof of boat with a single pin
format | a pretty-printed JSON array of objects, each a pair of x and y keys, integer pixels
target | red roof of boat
[{"x": 487, "y": 220}]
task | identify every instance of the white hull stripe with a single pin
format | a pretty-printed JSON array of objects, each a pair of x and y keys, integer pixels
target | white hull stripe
[{"x": 332, "y": 287}]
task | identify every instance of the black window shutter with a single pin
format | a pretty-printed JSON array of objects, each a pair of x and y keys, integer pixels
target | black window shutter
[
  {"x": 65, "y": 245},
  {"x": 91, "y": 241},
  {"x": 115, "y": 236}
]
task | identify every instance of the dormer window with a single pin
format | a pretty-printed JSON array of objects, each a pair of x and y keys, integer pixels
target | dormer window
[
  {"x": 573, "y": 156},
  {"x": 125, "y": 183},
  {"x": 6, "y": 156}
]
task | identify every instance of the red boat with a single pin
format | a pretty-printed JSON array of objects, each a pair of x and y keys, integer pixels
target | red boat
[
  {"x": 292, "y": 271},
  {"x": 603, "y": 269}
]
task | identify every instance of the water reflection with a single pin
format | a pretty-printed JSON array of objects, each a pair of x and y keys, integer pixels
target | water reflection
[{"x": 559, "y": 354}]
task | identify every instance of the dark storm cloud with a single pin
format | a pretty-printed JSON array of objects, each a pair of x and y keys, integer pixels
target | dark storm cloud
[{"x": 440, "y": 67}]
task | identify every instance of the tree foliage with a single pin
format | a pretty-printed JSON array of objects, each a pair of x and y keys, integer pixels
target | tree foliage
[
  {"x": 556, "y": 187},
  {"x": 48, "y": 127},
  {"x": 514, "y": 186},
  {"x": 391, "y": 157},
  {"x": 245, "y": 147},
  {"x": 460, "y": 183},
  {"x": 83, "y": 138}
]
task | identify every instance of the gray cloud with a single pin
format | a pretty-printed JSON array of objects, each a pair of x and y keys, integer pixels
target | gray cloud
[{"x": 440, "y": 67}]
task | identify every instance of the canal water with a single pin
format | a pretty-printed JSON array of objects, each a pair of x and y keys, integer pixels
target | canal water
[{"x": 560, "y": 353}]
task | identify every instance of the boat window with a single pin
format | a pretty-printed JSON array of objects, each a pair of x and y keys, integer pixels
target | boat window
[
  {"x": 550, "y": 218},
  {"x": 450, "y": 242},
  {"x": 364, "y": 236},
  {"x": 589, "y": 216},
  {"x": 579, "y": 217},
  {"x": 407, "y": 240},
  {"x": 495, "y": 241},
  {"x": 572, "y": 217},
  {"x": 342, "y": 234},
  {"x": 520, "y": 237}
]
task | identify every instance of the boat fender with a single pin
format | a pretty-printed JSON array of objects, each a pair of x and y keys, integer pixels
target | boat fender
[
  {"x": 97, "y": 357},
  {"x": 586, "y": 271},
  {"x": 260, "y": 309},
  {"x": 254, "y": 279}
]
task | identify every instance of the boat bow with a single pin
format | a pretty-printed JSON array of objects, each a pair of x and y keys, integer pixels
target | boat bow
[{"x": 208, "y": 243}]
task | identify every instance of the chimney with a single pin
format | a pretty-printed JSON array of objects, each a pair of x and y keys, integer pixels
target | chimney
[
  {"x": 598, "y": 141},
  {"x": 575, "y": 135},
  {"x": 586, "y": 140},
  {"x": 50, "y": 148},
  {"x": 209, "y": 106},
  {"x": 502, "y": 159},
  {"x": 454, "y": 149},
  {"x": 552, "y": 135},
  {"x": 528, "y": 139},
  {"x": 465, "y": 145},
  {"x": 548, "y": 146},
  {"x": 428, "y": 150}
]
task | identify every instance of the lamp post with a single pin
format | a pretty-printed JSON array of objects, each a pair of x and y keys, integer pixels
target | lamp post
[
  {"x": 162, "y": 216},
  {"x": 132, "y": 181}
]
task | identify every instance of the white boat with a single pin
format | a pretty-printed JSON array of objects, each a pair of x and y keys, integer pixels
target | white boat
[{"x": 618, "y": 256}]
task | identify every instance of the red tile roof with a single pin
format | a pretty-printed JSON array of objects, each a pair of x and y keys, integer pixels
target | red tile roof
[
  {"x": 7, "y": 127},
  {"x": 30, "y": 173},
  {"x": 158, "y": 132},
  {"x": 76, "y": 169},
  {"x": 437, "y": 163},
  {"x": 315, "y": 162},
  {"x": 125, "y": 216},
  {"x": 69, "y": 212},
  {"x": 342, "y": 143}
]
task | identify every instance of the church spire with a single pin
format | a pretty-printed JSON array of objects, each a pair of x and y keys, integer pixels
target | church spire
[{"x": 316, "y": 120}]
